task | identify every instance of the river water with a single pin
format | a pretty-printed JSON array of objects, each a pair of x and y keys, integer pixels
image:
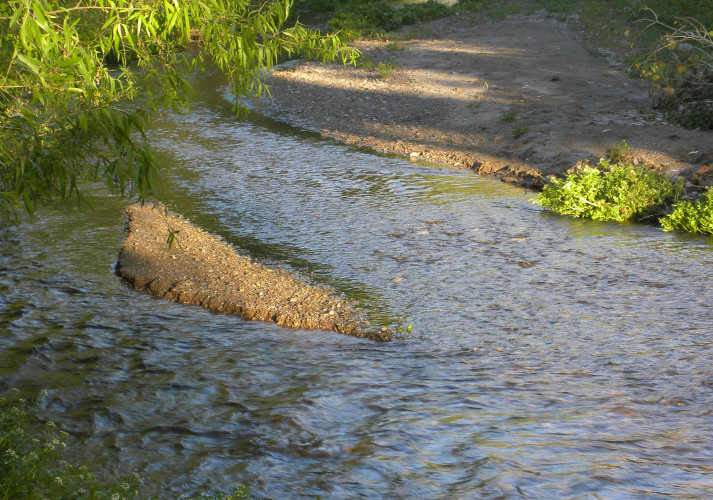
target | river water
[{"x": 549, "y": 358}]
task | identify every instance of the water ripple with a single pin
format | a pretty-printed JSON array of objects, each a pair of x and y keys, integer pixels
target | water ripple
[{"x": 551, "y": 357}]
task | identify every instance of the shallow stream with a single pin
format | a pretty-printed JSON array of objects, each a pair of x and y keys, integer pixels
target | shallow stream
[{"x": 549, "y": 358}]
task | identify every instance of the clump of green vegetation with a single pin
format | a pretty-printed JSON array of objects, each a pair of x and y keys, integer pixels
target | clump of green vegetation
[
  {"x": 375, "y": 19},
  {"x": 316, "y": 5},
  {"x": 385, "y": 69},
  {"x": 694, "y": 217},
  {"x": 365, "y": 62},
  {"x": 395, "y": 46},
  {"x": 680, "y": 67},
  {"x": 610, "y": 192},
  {"x": 617, "y": 190},
  {"x": 490, "y": 9},
  {"x": 32, "y": 464},
  {"x": 509, "y": 116},
  {"x": 618, "y": 153},
  {"x": 478, "y": 99},
  {"x": 519, "y": 130}
]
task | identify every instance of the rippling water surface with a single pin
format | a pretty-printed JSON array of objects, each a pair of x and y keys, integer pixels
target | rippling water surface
[{"x": 550, "y": 358}]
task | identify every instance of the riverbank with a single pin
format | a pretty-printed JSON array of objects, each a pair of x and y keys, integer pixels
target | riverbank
[
  {"x": 167, "y": 256},
  {"x": 518, "y": 99}
]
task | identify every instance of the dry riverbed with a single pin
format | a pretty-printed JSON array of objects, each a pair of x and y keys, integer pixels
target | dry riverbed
[{"x": 518, "y": 99}]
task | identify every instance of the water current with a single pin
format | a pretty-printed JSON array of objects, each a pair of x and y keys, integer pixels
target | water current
[{"x": 549, "y": 358}]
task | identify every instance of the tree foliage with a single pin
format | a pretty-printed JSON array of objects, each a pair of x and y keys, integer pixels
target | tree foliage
[
  {"x": 71, "y": 70},
  {"x": 681, "y": 68}
]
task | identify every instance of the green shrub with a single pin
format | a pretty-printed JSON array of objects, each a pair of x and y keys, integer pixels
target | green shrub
[
  {"x": 422, "y": 12},
  {"x": 692, "y": 217},
  {"x": 375, "y": 19},
  {"x": 385, "y": 69},
  {"x": 364, "y": 19},
  {"x": 472, "y": 5},
  {"x": 616, "y": 192},
  {"x": 680, "y": 67},
  {"x": 509, "y": 116},
  {"x": 395, "y": 46},
  {"x": 300, "y": 6},
  {"x": 519, "y": 130},
  {"x": 669, "y": 11},
  {"x": 618, "y": 153}
]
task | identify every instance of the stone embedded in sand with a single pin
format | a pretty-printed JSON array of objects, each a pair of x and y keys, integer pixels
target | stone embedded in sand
[{"x": 199, "y": 268}]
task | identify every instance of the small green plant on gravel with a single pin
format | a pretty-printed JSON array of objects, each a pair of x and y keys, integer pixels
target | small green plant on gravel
[
  {"x": 610, "y": 192},
  {"x": 509, "y": 115},
  {"x": 519, "y": 130},
  {"x": 599, "y": 53},
  {"x": 694, "y": 217},
  {"x": 365, "y": 62},
  {"x": 394, "y": 46},
  {"x": 618, "y": 153},
  {"x": 385, "y": 69},
  {"x": 478, "y": 99},
  {"x": 403, "y": 332},
  {"x": 647, "y": 111}
]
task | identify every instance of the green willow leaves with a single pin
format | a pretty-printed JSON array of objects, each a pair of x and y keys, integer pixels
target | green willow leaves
[{"x": 71, "y": 73}]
